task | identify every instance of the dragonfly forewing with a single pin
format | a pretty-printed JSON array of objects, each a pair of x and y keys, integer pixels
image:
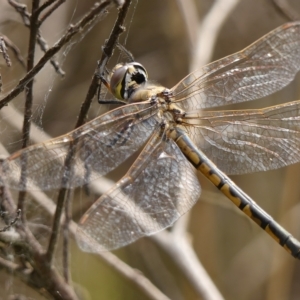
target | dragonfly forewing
[
  {"x": 158, "y": 189},
  {"x": 259, "y": 70},
  {"x": 100, "y": 146}
]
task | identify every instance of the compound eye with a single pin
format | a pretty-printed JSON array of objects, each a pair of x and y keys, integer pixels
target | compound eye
[
  {"x": 140, "y": 75},
  {"x": 126, "y": 78}
]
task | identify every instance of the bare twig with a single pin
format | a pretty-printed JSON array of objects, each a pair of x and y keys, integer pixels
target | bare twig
[
  {"x": 134, "y": 276},
  {"x": 46, "y": 4},
  {"x": 66, "y": 236},
  {"x": 108, "y": 49},
  {"x": 54, "y": 5},
  {"x": 117, "y": 30},
  {"x": 28, "y": 105},
  {"x": 9, "y": 44},
  {"x": 73, "y": 29},
  {"x": 44, "y": 275},
  {"x": 22, "y": 10},
  {"x": 3, "y": 50},
  {"x": 26, "y": 16}
]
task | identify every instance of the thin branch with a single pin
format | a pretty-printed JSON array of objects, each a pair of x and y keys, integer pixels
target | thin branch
[
  {"x": 73, "y": 29},
  {"x": 26, "y": 16},
  {"x": 50, "y": 10},
  {"x": 46, "y": 4},
  {"x": 70, "y": 156},
  {"x": 3, "y": 50},
  {"x": 22, "y": 10},
  {"x": 66, "y": 237},
  {"x": 44, "y": 47},
  {"x": 60, "y": 203},
  {"x": 9, "y": 44},
  {"x": 108, "y": 49},
  {"x": 28, "y": 105},
  {"x": 130, "y": 274}
]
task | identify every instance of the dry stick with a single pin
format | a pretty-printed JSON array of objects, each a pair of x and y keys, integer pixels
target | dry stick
[
  {"x": 26, "y": 16},
  {"x": 3, "y": 50},
  {"x": 54, "y": 281},
  {"x": 66, "y": 237},
  {"x": 9, "y": 44},
  {"x": 63, "y": 197},
  {"x": 133, "y": 276},
  {"x": 28, "y": 106},
  {"x": 68, "y": 162},
  {"x": 108, "y": 49},
  {"x": 50, "y": 10},
  {"x": 73, "y": 29},
  {"x": 42, "y": 275},
  {"x": 46, "y": 4},
  {"x": 128, "y": 273}
]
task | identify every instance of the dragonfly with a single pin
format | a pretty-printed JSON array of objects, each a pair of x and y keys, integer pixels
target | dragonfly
[{"x": 178, "y": 135}]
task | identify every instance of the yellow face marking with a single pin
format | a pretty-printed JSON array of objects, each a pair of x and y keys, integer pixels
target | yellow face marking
[
  {"x": 225, "y": 189},
  {"x": 117, "y": 91}
]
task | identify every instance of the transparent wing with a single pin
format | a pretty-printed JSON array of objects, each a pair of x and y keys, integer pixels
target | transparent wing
[
  {"x": 248, "y": 141},
  {"x": 99, "y": 146},
  {"x": 263, "y": 68},
  {"x": 159, "y": 188}
]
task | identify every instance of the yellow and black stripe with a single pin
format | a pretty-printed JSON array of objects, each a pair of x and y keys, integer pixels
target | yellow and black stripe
[{"x": 202, "y": 163}]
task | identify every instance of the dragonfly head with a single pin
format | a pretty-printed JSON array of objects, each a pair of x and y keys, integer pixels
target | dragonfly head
[{"x": 125, "y": 78}]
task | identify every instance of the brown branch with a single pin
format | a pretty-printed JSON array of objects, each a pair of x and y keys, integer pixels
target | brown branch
[
  {"x": 108, "y": 49},
  {"x": 50, "y": 10},
  {"x": 3, "y": 50},
  {"x": 46, "y": 4},
  {"x": 22, "y": 10},
  {"x": 26, "y": 16},
  {"x": 9, "y": 44},
  {"x": 117, "y": 30},
  {"x": 44, "y": 47},
  {"x": 28, "y": 105},
  {"x": 73, "y": 29}
]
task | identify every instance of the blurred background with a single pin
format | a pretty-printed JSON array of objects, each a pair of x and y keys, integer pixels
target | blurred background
[{"x": 242, "y": 260}]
